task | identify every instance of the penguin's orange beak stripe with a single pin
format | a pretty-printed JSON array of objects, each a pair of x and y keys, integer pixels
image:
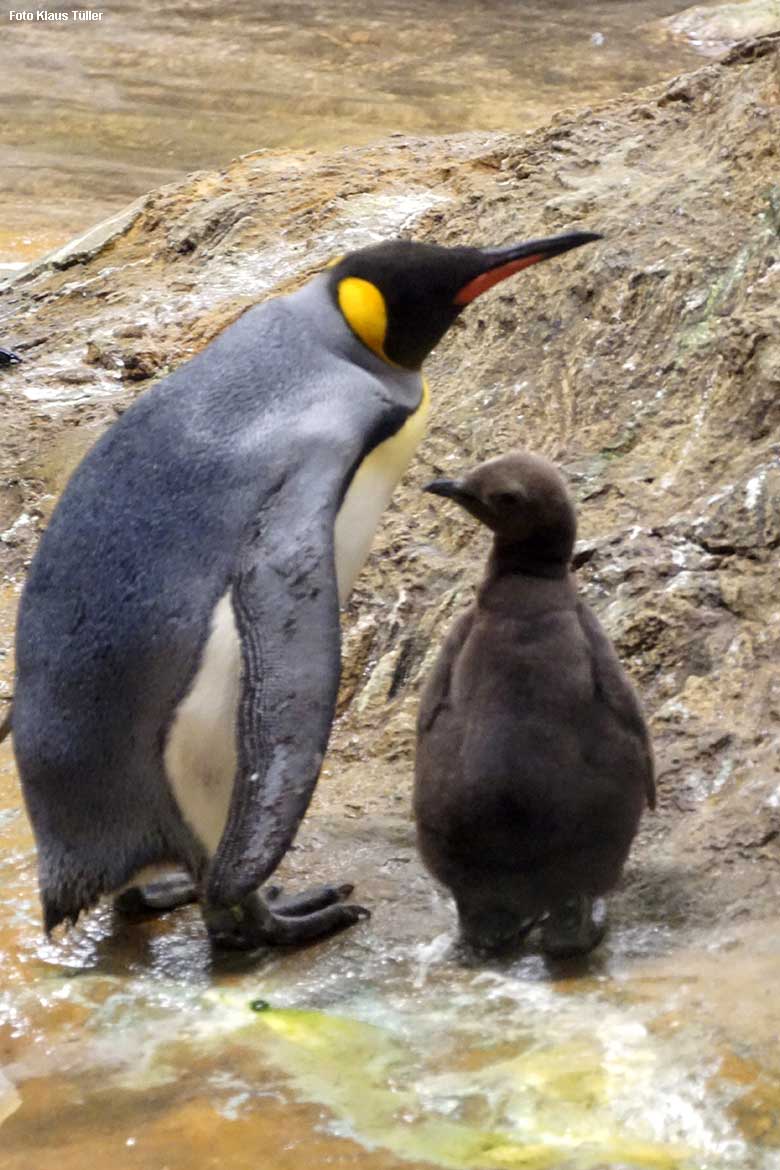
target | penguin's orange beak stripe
[{"x": 486, "y": 280}]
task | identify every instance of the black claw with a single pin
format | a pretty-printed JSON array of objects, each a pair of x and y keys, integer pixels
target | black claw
[
  {"x": 307, "y": 902},
  {"x": 8, "y": 357}
]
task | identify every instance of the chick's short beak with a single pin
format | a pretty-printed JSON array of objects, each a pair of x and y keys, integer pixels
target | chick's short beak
[{"x": 451, "y": 489}]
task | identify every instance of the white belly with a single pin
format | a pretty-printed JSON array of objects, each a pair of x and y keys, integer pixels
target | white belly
[{"x": 200, "y": 754}]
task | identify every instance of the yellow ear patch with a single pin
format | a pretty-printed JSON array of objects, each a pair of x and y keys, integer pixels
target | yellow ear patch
[{"x": 365, "y": 311}]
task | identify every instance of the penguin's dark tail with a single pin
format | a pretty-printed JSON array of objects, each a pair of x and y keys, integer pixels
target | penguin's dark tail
[{"x": 5, "y": 724}]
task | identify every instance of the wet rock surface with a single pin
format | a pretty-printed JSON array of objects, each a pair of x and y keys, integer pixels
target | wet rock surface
[{"x": 648, "y": 366}]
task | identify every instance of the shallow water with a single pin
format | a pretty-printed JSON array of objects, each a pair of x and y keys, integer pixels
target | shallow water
[
  {"x": 374, "y": 1053},
  {"x": 96, "y": 114}
]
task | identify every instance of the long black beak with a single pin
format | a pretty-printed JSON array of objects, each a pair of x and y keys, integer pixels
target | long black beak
[
  {"x": 544, "y": 249},
  {"x": 503, "y": 262}
]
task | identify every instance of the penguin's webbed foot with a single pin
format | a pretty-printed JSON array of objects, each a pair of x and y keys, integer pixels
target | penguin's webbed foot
[
  {"x": 275, "y": 919},
  {"x": 575, "y": 927},
  {"x": 168, "y": 893}
]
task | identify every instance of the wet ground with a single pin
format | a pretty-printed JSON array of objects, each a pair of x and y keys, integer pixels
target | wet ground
[{"x": 97, "y": 113}]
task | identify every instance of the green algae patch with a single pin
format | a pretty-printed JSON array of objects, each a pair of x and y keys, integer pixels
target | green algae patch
[
  {"x": 703, "y": 328},
  {"x": 543, "y": 1110}
]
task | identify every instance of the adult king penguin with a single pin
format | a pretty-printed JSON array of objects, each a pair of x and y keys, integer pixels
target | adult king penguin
[{"x": 178, "y": 645}]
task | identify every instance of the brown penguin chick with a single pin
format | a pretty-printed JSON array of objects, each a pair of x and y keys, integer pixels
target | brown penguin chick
[{"x": 533, "y": 758}]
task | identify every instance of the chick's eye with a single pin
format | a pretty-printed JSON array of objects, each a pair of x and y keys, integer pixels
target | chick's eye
[{"x": 505, "y": 500}]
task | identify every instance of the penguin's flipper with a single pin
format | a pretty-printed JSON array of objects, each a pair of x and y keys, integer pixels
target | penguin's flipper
[
  {"x": 436, "y": 694},
  {"x": 614, "y": 690},
  {"x": 285, "y": 600}
]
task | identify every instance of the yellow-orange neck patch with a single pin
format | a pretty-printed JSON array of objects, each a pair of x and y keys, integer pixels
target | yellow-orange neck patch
[{"x": 365, "y": 312}]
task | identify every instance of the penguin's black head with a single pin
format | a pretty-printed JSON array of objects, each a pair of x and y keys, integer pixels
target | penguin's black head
[
  {"x": 523, "y": 499},
  {"x": 400, "y": 298}
]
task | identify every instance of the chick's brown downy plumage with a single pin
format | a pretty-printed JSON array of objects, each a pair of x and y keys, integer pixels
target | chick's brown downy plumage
[{"x": 533, "y": 759}]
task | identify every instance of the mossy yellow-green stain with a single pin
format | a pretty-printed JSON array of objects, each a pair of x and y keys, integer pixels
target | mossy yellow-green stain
[
  {"x": 361, "y": 1073},
  {"x": 365, "y": 312}
]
